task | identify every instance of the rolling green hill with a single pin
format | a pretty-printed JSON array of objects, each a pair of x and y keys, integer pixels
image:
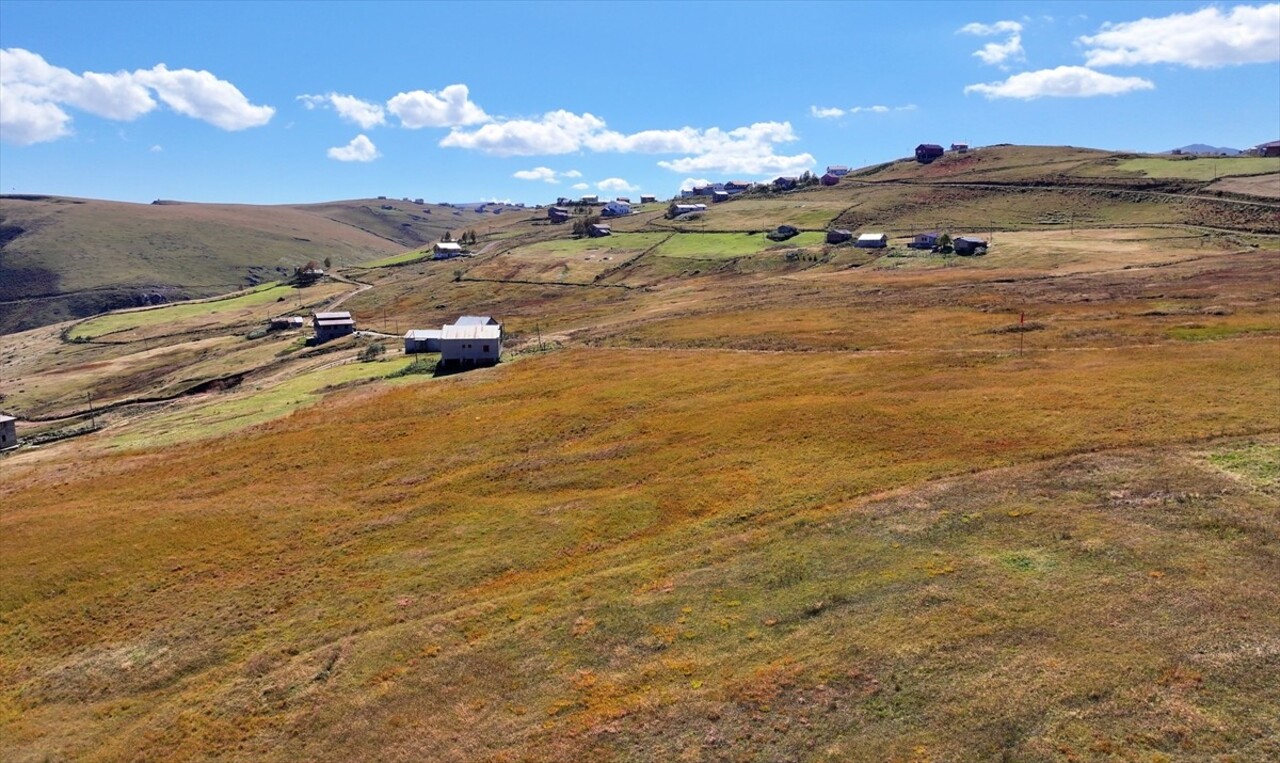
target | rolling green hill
[{"x": 63, "y": 258}]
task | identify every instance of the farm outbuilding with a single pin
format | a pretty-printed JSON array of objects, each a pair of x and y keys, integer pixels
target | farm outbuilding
[
  {"x": 446, "y": 250},
  {"x": 1269, "y": 149},
  {"x": 830, "y": 179},
  {"x": 924, "y": 241},
  {"x": 647, "y": 198},
  {"x": 734, "y": 187},
  {"x": 590, "y": 199},
  {"x": 599, "y": 230},
  {"x": 332, "y": 325},
  {"x": 960, "y": 148},
  {"x": 8, "y": 432},
  {"x": 422, "y": 340},
  {"x": 969, "y": 245},
  {"x": 839, "y": 170},
  {"x": 718, "y": 196},
  {"x": 785, "y": 183},
  {"x": 872, "y": 241},
  {"x": 927, "y": 152},
  {"x": 471, "y": 344},
  {"x": 557, "y": 214},
  {"x": 616, "y": 209},
  {"x": 839, "y": 236}
]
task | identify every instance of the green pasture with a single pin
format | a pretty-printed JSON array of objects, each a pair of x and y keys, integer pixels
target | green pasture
[
  {"x": 729, "y": 245},
  {"x": 1201, "y": 168},
  {"x": 261, "y": 296}
]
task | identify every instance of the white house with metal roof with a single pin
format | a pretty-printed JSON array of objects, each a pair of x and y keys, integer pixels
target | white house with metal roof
[
  {"x": 477, "y": 342},
  {"x": 422, "y": 340},
  {"x": 872, "y": 241}
]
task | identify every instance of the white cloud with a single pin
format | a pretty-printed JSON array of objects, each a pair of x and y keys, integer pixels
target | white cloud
[
  {"x": 367, "y": 115},
  {"x": 557, "y": 132},
  {"x": 616, "y": 185},
  {"x": 157, "y": 148},
  {"x": 745, "y": 150},
  {"x": 1208, "y": 38},
  {"x": 545, "y": 174},
  {"x": 571, "y": 174},
  {"x": 580, "y": 186},
  {"x": 688, "y": 184},
  {"x": 200, "y": 95},
  {"x": 360, "y": 149},
  {"x": 33, "y": 94},
  {"x": 820, "y": 112},
  {"x": 450, "y": 107},
  {"x": 1062, "y": 82},
  {"x": 997, "y": 53}
]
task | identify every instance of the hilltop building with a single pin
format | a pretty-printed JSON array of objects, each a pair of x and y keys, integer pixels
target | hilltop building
[
  {"x": 839, "y": 236},
  {"x": 960, "y": 148},
  {"x": 927, "y": 152},
  {"x": 647, "y": 198},
  {"x": 830, "y": 179},
  {"x": 839, "y": 170},
  {"x": 785, "y": 183},
  {"x": 719, "y": 196},
  {"x": 557, "y": 214},
  {"x": 872, "y": 241},
  {"x": 332, "y": 325},
  {"x": 599, "y": 230},
  {"x": 924, "y": 241},
  {"x": 735, "y": 187},
  {"x": 616, "y": 208},
  {"x": 8, "y": 432}
]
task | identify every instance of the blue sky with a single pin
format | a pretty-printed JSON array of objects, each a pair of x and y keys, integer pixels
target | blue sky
[{"x": 294, "y": 102}]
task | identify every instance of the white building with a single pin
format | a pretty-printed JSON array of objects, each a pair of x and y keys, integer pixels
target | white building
[
  {"x": 872, "y": 241},
  {"x": 471, "y": 343},
  {"x": 422, "y": 340}
]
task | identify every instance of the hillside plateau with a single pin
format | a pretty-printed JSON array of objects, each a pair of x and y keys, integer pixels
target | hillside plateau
[{"x": 725, "y": 498}]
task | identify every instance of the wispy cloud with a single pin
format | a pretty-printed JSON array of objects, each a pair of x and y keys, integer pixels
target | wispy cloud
[
  {"x": 545, "y": 174},
  {"x": 821, "y": 112},
  {"x": 997, "y": 53},
  {"x": 1062, "y": 82},
  {"x": 364, "y": 113},
  {"x": 616, "y": 185}
]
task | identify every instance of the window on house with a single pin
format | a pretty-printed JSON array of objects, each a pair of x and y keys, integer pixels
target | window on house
[{"x": 486, "y": 348}]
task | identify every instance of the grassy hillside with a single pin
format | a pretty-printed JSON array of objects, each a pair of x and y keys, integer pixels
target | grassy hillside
[
  {"x": 724, "y": 500},
  {"x": 62, "y": 258}
]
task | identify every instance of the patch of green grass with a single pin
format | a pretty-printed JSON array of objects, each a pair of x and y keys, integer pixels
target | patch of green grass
[
  {"x": 265, "y": 294},
  {"x": 1198, "y": 333},
  {"x": 618, "y": 241},
  {"x": 729, "y": 245},
  {"x": 1258, "y": 463},
  {"x": 398, "y": 259},
  {"x": 1201, "y": 168}
]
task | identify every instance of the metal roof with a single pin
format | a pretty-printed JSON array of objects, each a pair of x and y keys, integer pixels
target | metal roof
[
  {"x": 871, "y": 236},
  {"x": 337, "y": 316},
  {"x": 421, "y": 334},
  {"x": 475, "y": 320},
  {"x": 449, "y": 246},
  {"x": 471, "y": 332},
  {"x": 6, "y": 419}
]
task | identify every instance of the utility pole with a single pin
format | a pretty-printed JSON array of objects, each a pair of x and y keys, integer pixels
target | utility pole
[
  {"x": 539, "y": 337},
  {"x": 93, "y": 417}
]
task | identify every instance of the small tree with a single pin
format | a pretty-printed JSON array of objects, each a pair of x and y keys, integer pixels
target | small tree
[
  {"x": 372, "y": 352},
  {"x": 328, "y": 263},
  {"x": 944, "y": 244},
  {"x": 447, "y": 237}
]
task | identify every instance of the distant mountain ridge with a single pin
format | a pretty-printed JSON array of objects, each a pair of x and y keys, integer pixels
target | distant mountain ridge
[{"x": 1204, "y": 148}]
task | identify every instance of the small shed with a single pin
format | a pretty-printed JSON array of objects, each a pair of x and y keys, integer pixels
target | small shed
[
  {"x": 467, "y": 344},
  {"x": 839, "y": 236},
  {"x": 969, "y": 245},
  {"x": 616, "y": 208},
  {"x": 285, "y": 322},
  {"x": 872, "y": 241},
  {"x": 447, "y": 250},
  {"x": 557, "y": 214},
  {"x": 647, "y": 198},
  {"x": 734, "y": 187},
  {"x": 599, "y": 230},
  {"x": 829, "y": 179},
  {"x": 924, "y": 241},
  {"x": 675, "y": 210},
  {"x": 927, "y": 152},
  {"x": 8, "y": 432},
  {"x": 422, "y": 340},
  {"x": 717, "y": 196},
  {"x": 591, "y": 199},
  {"x": 332, "y": 325},
  {"x": 960, "y": 148}
]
